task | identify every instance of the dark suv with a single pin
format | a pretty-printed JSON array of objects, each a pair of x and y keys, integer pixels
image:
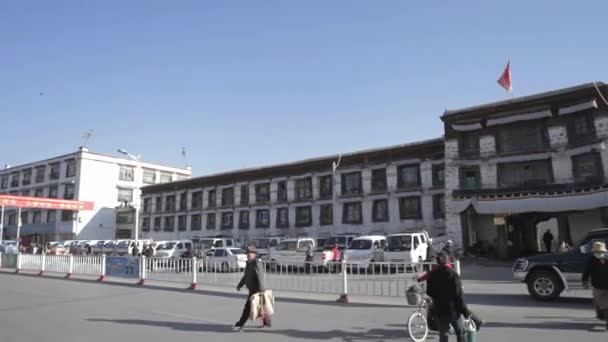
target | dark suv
[{"x": 548, "y": 275}]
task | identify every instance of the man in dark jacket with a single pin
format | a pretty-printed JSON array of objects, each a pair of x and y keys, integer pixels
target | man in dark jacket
[
  {"x": 445, "y": 287},
  {"x": 597, "y": 270},
  {"x": 254, "y": 280}
]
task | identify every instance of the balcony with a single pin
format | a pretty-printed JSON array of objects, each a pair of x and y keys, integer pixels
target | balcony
[{"x": 530, "y": 189}]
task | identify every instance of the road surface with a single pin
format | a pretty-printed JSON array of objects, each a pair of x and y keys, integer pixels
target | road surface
[{"x": 51, "y": 309}]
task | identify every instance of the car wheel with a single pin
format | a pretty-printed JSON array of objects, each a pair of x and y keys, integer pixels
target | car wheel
[{"x": 544, "y": 285}]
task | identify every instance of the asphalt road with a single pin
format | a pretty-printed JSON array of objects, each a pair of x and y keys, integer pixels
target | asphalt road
[{"x": 48, "y": 309}]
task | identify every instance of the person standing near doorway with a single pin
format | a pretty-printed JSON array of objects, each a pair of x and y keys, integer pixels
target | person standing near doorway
[{"x": 548, "y": 240}]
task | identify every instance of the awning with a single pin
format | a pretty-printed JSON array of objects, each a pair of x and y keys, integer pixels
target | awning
[
  {"x": 534, "y": 203},
  {"x": 578, "y": 107},
  {"x": 519, "y": 117}
]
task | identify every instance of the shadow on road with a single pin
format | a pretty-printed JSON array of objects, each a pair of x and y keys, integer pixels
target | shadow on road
[
  {"x": 589, "y": 326},
  {"x": 347, "y": 336},
  {"x": 526, "y": 301}
]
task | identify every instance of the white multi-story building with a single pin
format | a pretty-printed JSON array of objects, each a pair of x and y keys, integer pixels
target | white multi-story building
[
  {"x": 112, "y": 183},
  {"x": 380, "y": 191}
]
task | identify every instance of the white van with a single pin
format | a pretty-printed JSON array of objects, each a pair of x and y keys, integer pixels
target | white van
[
  {"x": 291, "y": 252},
  {"x": 365, "y": 250},
  {"x": 265, "y": 245},
  {"x": 207, "y": 244},
  {"x": 174, "y": 248},
  {"x": 407, "y": 247}
]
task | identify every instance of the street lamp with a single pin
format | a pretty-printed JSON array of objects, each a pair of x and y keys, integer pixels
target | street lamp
[{"x": 135, "y": 206}]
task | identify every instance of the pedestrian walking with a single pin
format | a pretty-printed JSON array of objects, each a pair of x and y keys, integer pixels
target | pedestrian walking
[
  {"x": 548, "y": 240},
  {"x": 448, "y": 250},
  {"x": 336, "y": 258},
  {"x": 445, "y": 288},
  {"x": 253, "y": 279},
  {"x": 310, "y": 254},
  {"x": 597, "y": 270}
]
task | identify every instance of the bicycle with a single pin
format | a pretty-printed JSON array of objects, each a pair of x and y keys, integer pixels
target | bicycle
[{"x": 417, "y": 325}]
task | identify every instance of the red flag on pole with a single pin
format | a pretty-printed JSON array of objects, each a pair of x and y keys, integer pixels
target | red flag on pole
[{"x": 505, "y": 78}]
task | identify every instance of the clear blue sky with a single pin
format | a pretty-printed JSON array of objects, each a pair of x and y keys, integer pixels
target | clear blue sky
[{"x": 246, "y": 83}]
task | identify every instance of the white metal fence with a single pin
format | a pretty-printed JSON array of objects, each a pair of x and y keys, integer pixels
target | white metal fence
[{"x": 373, "y": 279}]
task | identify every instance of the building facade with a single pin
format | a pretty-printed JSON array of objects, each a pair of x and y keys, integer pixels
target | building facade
[
  {"x": 383, "y": 191},
  {"x": 112, "y": 183},
  {"x": 517, "y": 168}
]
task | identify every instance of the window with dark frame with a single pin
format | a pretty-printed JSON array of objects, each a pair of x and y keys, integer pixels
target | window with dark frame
[
  {"x": 158, "y": 207},
  {"x": 196, "y": 222},
  {"x": 525, "y": 174},
  {"x": 68, "y": 191},
  {"x": 227, "y": 197},
  {"x": 587, "y": 168},
  {"x": 470, "y": 177},
  {"x": 282, "y": 218},
  {"x": 25, "y": 192},
  {"x": 165, "y": 178},
  {"x": 12, "y": 219},
  {"x": 67, "y": 215},
  {"x": 282, "y": 192},
  {"x": 439, "y": 206},
  {"x": 244, "y": 219},
  {"x": 37, "y": 217},
  {"x": 183, "y": 201},
  {"x": 438, "y": 175},
  {"x": 326, "y": 215},
  {"x": 212, "y": 199},
  {"x": 197, "y": 200},
  {"x": 169, "y": 224},
  {"x": 54, "y": 175},
  {"x": 157, "y": 224},
  {"x": 210, "y": 221},
  {"x": 380, "y": 210},
  {"x": 126, "y": 174},
  {"x": 352, "y": 184},
  {"x": 351, "y": 213},
  {"x": 27, "y": 177},
  {"x": 125, "y": 218},
  {"x": 303, "y": 189},
  {"x": 40, "y": 174},
  {"x": 147, "y": 205},
  {"x": 181, "y": 223},
  {"x": 468, "y": 145},
  {"x": 245, "y": 194},
  {"x": 262, "y": 193},
  {"x": 145, "y": 224},
  {"x": 262, "y": 218},
  {"x": 581, "y": 129},
  {"x": 14, "y": 180},
  {"x": 39, "y": 192},
  {"x": 170, "y": 203},
  {"x": 227, "y": 220},
  {"x": 53, "y": 192},
  {"x": 25, "y": 217},
  {"x": 326, "y": 187},
  {"x": 526, "y": 137},
  {"x": 70, "y": 169},
  {"x": 4, "y": 182},
  {"x": 379, "y": 183},
  {"x": 149, "y": 177},
  {"x": 410, "y": 208},
  {"x": 303, "y": 216},
  {"x": 408, "y": 176}
]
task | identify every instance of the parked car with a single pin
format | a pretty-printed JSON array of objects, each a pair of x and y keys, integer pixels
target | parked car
[
  {"x": 265, "y": 245},
  {"x": 363, "y": 251},
  {"x": 109, "y": 247},
  {"x": 225, "y": 259},
  {"x": 9, "y": 247},
  {"x": 206, "y": 244},
  {"x": 324, "y": 255},
  {"x": 97, "y": 248},
  {"x": 343, "y": 240},
  {"x": 548, "y": 275},
  {"x": 407, "y": 247},
  {"x": 125, "y": 247},
  {"x": 291, "y": 252},
  {"x": 173, "y": 248}
]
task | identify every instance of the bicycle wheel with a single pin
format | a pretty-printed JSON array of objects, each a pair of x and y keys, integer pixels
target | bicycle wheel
[{"x": 417, "y": 327}]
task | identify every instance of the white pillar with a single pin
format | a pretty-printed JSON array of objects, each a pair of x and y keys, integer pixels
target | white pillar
[
  {"x": 1, "y": 223},
  {"x": 19, "y": 227}
]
